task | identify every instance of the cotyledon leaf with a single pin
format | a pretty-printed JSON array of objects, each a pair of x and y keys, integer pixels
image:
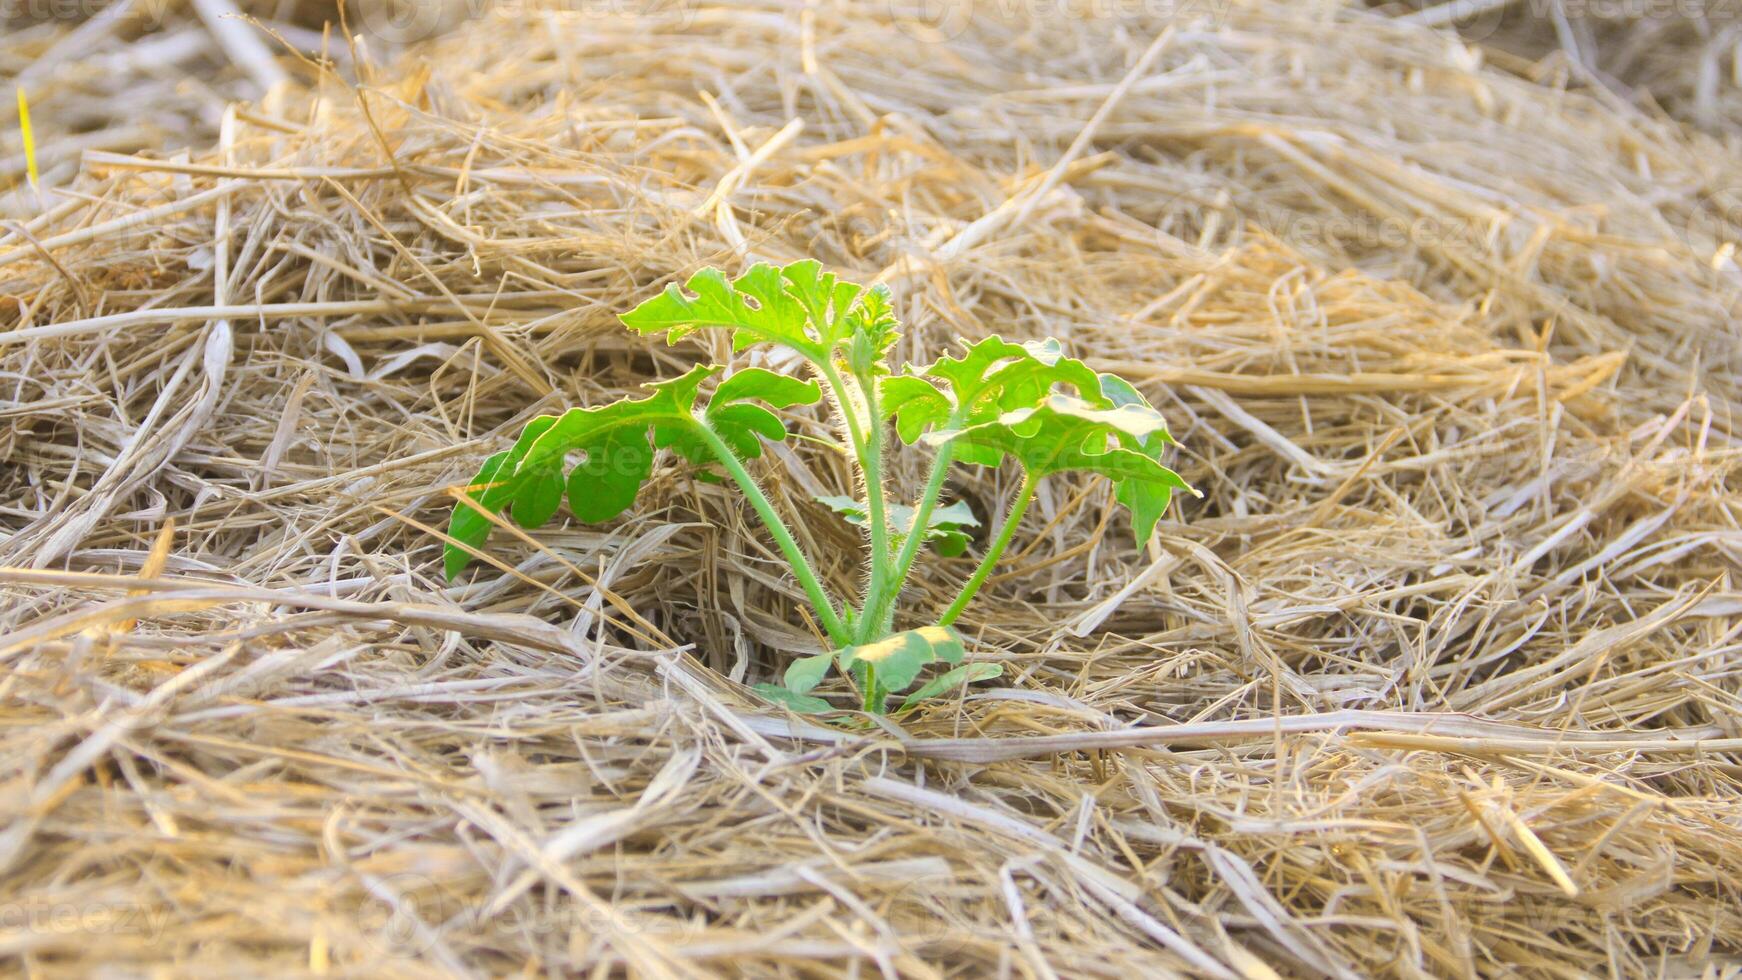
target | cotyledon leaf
[
  {"x": 806, "y": 673},
  {"x": 804, "y": 704},
  {"x": 960, "y": 677},
  {"x": 898, "y": 659}
]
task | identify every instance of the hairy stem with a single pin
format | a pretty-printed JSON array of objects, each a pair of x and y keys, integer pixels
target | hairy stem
[
  {"x": 871, "y": 701},
  {"x": 868, "y": 448},
  {"x": 1005, "y": 533},
  {"x": 870, "y": 627},
  {"x": 795, "y": 557},
  {"x": 934, "y": 487}
]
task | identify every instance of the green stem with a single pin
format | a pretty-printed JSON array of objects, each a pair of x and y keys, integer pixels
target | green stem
[
  {"x": 838, "y": 387},
  {"x": 1005, "y": 533},
  {"x": 934, "y": 486},
  {"x": 877, "y": 505},
  {"x": 801, "y": 566},
  {"x": 868, "y": 447},
  {"x": 871, "y": 702}
]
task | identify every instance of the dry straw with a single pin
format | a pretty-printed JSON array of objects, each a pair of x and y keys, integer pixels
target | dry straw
[{"x": 1441, "y": 678}]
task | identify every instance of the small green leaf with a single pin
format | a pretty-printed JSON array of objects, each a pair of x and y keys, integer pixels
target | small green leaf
[
  {"x": 914, "y": 403},
  {"x": 1147, "y": 501},
  {"x": 853, "y": 510},
  {"x": 871, "y": 328},
  {"x": 899, "y": 658},
  {"x": 800, "y": 306},
  {"x": 992, "y": 377},
  {"x": 755, "y": 307},
  {"x": 1065, "y": 433},
  {"x": 947, "y": 682},
  {"x": 739, "y": 420},
  {"x": 778, "y": 390},
  {"x": 826, "y": 299},
  {"x": 803, "y": 704},
  {"x": 943, "y": 530},
  {"x": 745, "y": 426},
  {"x": 807, "y": 672}
]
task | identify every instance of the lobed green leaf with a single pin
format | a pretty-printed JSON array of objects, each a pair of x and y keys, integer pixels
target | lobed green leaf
[
  {"x": 826, "y": 299},
  {"x": 1146, "y": 501},
  {"x": 614, "y": 452},
  {"x": 1063, "y": 433},
  {"x": 493, "y": 487},
  {"x": 993, "y": 376},
  {"x": 799, "y": 306}
]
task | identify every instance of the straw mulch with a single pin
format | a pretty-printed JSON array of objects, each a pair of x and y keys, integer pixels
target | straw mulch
[
  {"x": 1681, "y": 56},
  {"x": 1440, "y": 678}
]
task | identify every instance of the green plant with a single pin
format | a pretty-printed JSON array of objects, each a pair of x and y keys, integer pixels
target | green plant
[{"x": 999, "y": 400}]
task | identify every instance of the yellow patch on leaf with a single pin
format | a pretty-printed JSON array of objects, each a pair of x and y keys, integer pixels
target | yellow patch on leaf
[{"x": 875, "y": 653}]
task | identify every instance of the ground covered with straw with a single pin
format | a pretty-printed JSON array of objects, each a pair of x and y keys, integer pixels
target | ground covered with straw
[{"x": 1440, "y": 677}]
